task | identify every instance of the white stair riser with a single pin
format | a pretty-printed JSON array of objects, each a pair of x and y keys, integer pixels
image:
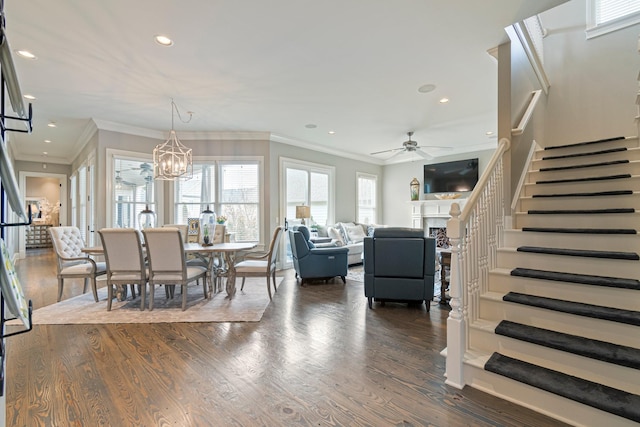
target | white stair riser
[
  {"x": 589, "y": 148},
  {"x": 568, "y": 264},
  {"x": 631, "y": 155},
  {"x": 625, "y": 299},
  {"x": 631, "y": 168},
  {"x": 632, "y": 184},
  {"x": 565, "y": 410},
  {"x": 615, "y": 376},
  {"x": 603, "y": 242},
  {"x": 629, "y": 220},
  {"x": 594, "y": 202},
  {"x": 597, "y": 329}
]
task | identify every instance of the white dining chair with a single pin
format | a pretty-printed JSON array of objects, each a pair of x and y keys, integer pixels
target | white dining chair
[
  {"x": 167, "y": 263},
  {"x": 125, "y": 262}
]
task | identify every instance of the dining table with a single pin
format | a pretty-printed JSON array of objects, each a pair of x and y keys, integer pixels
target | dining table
[{"x": 228, "y": 250}]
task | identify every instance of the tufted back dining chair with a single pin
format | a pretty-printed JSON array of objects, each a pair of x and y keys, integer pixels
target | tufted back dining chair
[
  {"x": 125, "y": 262},
  {"x": 71, "y": 261}
]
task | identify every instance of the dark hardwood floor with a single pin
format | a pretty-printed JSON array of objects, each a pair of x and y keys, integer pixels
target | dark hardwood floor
[{"x": 319, "y": 357}]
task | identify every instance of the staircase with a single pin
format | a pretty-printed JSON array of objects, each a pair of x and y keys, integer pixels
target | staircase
[{"x": 559, "y": 328}]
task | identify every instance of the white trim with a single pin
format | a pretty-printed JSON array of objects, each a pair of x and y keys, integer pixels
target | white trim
[{"x": 595, "y": 30}]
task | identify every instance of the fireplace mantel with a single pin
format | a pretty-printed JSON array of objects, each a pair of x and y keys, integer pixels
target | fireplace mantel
[{"x": 427, "y": 214}]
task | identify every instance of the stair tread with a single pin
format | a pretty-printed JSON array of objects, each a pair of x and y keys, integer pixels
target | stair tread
[
  {"x": 575, "y": 344},
  {"x": 581, "y": 230},
  {"x": 583, "y": 166},
  {"x": 581, "y": 309},
  {"x": 580, "y": 211},
  {"x": 609, "y": 399},
  {"x": 580, "y": 252},
  {"x": 581, "y": 144},
  {"x": 587, "y": 179},
  {"x": 585, "y": 279},
  {"x": 593, "y": 153},
  {"x": 591, "y": 194}
]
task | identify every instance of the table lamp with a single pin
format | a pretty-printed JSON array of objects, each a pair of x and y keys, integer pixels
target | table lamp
[{"x": 303, "y": 212}]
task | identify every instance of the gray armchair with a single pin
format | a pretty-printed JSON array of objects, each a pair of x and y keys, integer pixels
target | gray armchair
[
  {"x": 311, "y": 262},
  {"x": 399, "y": 265}
]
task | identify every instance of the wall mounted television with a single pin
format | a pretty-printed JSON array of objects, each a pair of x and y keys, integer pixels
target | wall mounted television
[{"x": 451, "y": 177}]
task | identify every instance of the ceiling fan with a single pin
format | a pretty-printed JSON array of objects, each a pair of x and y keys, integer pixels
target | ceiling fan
[{"x": 411, "y": 146}]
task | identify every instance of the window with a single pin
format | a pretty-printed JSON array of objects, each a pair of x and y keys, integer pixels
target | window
[
  {"x": 133, "y": 188},
  {"x": 229, "y": 188},
  {"x": 367, "y": 200},
  {"x": 605, "y": 16}
]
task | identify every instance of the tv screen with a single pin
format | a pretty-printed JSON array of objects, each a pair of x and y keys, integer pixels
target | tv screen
[{"x": 451, "y": 177}]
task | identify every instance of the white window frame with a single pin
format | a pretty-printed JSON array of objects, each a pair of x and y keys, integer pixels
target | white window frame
[
  {"x": 289, "y": 163},
  {"x": 112, "y": 154},
  {"x": 595, "y": 29},
  {"x": 374, "y": 178},
  {"x": 221, "y": 160}
]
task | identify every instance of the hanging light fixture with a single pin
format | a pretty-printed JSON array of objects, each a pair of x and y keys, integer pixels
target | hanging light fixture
[{"x": 173, "y": 159}]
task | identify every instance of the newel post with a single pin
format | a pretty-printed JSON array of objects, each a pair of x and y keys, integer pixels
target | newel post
[{"x": 456, "y": 328}]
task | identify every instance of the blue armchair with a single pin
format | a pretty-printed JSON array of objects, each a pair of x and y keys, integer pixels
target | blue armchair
[
  {"x": 311, "y": 262},
  {"x": 399, "y": 265}
]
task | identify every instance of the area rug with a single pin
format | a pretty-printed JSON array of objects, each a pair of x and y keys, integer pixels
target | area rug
[
  {"x": 356, "y": 273},
  {"x": 247, "y": 306}
]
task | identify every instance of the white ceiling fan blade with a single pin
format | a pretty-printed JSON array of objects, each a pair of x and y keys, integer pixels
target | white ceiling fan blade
[
  {"x": 386, "y": 151},
  {"x": 396, "y": 154},
  {"x": 424, "y": 155},
  {"x": 435, "y": 146}
]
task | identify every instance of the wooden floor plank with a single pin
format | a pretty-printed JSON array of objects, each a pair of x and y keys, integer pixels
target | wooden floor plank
[{"x": 318, "y": 357}]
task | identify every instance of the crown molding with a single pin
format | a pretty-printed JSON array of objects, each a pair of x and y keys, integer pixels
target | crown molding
[
  {"x": 314, "y": 147},
  {"x": 127, "y": 129}
]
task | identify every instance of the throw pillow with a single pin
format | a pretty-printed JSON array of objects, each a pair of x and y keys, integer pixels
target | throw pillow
[
  {"x": 342, "y": 227},
  {"x": 335, "y": 236},
  {"x": 355, "y": 233},
  {"x": 322, "y": 231}
]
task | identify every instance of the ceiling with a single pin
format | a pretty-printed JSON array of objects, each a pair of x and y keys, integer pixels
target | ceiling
[{"x": 249, "y": 67}]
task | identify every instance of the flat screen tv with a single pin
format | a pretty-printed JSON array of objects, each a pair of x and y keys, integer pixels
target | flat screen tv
[{"x": 451, "y": 177}]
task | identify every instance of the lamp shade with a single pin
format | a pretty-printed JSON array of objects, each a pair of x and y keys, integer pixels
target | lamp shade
[{"x": 303, "y": 212}]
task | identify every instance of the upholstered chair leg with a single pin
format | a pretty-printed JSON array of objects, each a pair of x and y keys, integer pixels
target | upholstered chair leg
[
  {"x": 273, "y": 277},
  {"x": 60, "y": 286},
  {"x": 242, "y": 287},
  {"x": 143, "y": 292},
  {"x": 344, "y": 279},
  {"x": 269, "y": 287},
  {"x": 152, "y": 289},
  {"x": 370, "y": 302},
  {"x": 84, "y": 286}
]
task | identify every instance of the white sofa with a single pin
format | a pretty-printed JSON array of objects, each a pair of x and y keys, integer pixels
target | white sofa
[{"x": 350, "y": 235}]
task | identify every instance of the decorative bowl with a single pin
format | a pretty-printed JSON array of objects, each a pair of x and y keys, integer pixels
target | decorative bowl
[{"x": 447, "y": 196}]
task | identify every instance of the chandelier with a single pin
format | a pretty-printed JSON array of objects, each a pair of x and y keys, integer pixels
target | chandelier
[{"x": 173, "y": 159}]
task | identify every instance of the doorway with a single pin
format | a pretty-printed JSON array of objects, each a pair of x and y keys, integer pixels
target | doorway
[{"x": 47, "y": 196}]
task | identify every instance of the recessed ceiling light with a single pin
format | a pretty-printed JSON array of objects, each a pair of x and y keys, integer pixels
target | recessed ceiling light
[
  {"x": 163, "y": 40},
  {"x": 311, "y": 126},
  {"x": 47, "y": 141},
  {"x": 444, "y": 100},
  {"x": 426, "y": 88},
  {"x": 332, "y": 132},
  {"x": 489, "y": 133},
  {"x": 44, "y": 153},
  {"x": 26, "y": 54},
  {"x": 51, "y": 124},
  {"x": 30, "y": 97}
]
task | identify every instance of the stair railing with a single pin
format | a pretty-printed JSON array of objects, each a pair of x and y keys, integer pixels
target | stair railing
[{"x": 475, "y": 235}]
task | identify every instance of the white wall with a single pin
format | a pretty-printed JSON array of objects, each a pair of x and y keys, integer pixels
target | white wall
[
  {"x": 593, "y": 82},
  {"x": 395, "y": 185}
]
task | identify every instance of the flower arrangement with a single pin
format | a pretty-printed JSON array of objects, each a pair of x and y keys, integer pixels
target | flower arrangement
[{"x": 221, "y": 219}]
